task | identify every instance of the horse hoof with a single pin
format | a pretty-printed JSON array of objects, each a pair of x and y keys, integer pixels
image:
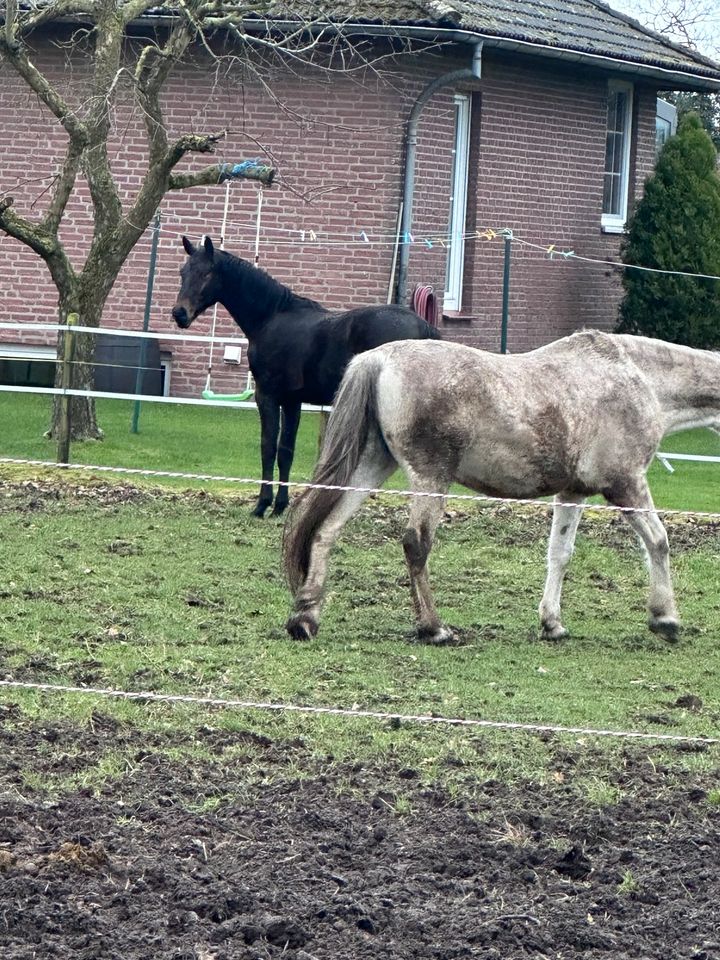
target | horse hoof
[
  {"x": 555, "y": 631},
  {"x": 278, "y": 510},
  {"x": 300, "y": 626},
  {"x": 259, "y": 510},
  {"x": 441, "y": 637},
  {"x": 666, "y": 627}
]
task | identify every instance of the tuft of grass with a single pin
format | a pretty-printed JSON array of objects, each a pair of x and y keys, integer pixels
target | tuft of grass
[
  {"x": 600, "y": 793},
  {"x": 629, "y": 884}
]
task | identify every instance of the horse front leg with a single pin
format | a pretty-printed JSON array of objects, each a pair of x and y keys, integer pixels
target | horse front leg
[
  {"x": 425, "y": 514},
  {"x": 560, "y": 549},
  {"x": 269, "y": 410},
  {"x": 289, "y": 423},
  {"x": 663, "y": 615}
]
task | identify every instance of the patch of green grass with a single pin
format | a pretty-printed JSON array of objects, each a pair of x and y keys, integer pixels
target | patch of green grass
[
  {"x": 175, "y": 591},
  {"x": 183, "y": 593},
  {"x": 629, "y": 883},
  {"x": 601, "y": 793},
  {"x": 226, "y": 442}
]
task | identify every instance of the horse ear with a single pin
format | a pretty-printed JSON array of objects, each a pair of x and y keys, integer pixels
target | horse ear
[
  {"x": 188, "y": 244},
  {"x": 209, "y": 248}
]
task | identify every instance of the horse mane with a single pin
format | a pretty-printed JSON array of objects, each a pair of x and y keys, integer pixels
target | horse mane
[{"x": 267, "y": 293}]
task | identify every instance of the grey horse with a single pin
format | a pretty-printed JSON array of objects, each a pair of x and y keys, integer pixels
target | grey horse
[{"x": 581, "y": 416}]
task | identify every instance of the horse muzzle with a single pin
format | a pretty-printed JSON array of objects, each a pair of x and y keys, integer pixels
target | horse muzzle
[{"x": 181, "y": 316}]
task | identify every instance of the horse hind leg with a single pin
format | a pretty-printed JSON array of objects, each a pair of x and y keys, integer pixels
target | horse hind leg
[
  {"x": 269, "y": 410},
  {"x": 289, "y": 422},
  {"x": 567, "y": 512},
  {"x": 373, "y": 470},
  {"x": 425, "y": 514}
]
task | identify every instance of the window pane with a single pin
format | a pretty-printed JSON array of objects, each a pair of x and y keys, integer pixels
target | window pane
[
  {"x": 458, "y": 200},
  {"x": 616, "y": 144},
  {"x": 663, "y": 131},
  {"x": 607, "y": 193}
]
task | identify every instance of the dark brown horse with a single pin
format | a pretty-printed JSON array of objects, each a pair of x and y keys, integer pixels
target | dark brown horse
[{"x": 298, "y": 350}]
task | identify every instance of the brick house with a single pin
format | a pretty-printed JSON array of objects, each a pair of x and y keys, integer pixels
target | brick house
[{"x": 542, "y": 119}]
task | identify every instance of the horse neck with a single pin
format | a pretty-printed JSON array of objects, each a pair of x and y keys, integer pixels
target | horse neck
[
  {"x": 686, "y": 381},
  {"x": 251, "y": 296}
]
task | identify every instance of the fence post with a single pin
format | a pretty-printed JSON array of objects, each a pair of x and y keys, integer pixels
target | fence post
[
  {"x": 140, "y": 375},
  {"x": 505, "y": 296},
  {"x": 64, "y": 424},
  {"x": 324, "y": 415}
]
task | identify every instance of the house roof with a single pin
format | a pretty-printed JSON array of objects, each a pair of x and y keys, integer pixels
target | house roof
[{"x": 571, "y": 29}]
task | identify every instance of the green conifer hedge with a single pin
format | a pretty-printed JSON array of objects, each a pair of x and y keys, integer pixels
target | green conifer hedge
[{"x": 676, "y": 226}]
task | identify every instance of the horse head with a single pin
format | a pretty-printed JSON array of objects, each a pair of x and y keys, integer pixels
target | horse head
[{"x": 199, "y": 282}]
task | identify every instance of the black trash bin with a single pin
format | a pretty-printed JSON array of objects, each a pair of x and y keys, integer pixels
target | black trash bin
[{"x": 117, "y": 360}]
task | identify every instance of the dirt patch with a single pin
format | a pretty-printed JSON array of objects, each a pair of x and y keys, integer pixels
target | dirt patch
[{"x": 200, "y": 861}]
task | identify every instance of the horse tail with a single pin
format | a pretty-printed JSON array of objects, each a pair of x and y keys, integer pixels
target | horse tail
[{"x": 351, "y": 425}]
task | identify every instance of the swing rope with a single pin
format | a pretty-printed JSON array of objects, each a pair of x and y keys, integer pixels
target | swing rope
[
  {"x": 215, "y": 308},
  {"x": 208, "y": 393}
]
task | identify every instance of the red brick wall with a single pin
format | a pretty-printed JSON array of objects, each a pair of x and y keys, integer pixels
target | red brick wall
[{"x": 538, "y": 142}]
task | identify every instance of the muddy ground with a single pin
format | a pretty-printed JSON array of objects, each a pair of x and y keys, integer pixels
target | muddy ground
[{"x": 332, "y": 866}]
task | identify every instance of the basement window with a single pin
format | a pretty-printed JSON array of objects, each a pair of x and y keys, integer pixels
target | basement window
[
  {"x": 27, "y": 365},
  {"x": 617, "y": 156}
]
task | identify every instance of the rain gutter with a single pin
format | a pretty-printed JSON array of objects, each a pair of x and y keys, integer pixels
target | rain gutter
[{"x": 472, "y": 73}]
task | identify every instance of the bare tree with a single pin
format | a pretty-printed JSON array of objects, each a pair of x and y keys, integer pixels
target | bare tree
[
  {"x": 694, "y": 23},
  {"x": 123, "y": 55}
]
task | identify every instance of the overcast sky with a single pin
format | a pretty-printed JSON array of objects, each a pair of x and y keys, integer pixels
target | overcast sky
[{"x": 702, "y": 19}]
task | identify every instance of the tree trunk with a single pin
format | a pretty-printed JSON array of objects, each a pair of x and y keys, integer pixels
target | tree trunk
[{"x": 83, "y": 419}]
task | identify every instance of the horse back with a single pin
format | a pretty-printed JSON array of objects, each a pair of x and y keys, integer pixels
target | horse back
[
  {"x": 369, "y": 327},
  {"x": 303, "y": 357},
  {"x": 520, "y": 425}
]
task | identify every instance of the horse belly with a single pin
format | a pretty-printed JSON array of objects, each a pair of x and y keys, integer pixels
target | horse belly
[{"x": 514, "y": 471}]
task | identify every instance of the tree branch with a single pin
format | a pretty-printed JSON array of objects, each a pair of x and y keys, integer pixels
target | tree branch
[
  {"x": 219, "y": 172},
  {"x": 56, "y": 10},
  {"x": 63, "y": 187},
  {"x": 17, "y": 57},
  {"x": 152, "y": 70},
  {"x": 26, "y": 231}
]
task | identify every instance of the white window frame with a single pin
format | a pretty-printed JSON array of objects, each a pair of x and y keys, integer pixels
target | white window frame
[
  {"x": 27, "y": 351},
  {"x": 615, "y": 222},
  {"x": 458, "y": 205},
  {"x": 167, "y": 366}
]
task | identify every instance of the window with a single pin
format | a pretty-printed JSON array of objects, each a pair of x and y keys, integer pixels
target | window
[
  {"x": 458, "y": 205},
  {"x": 26, "y": 365},
  {"x": 665, "y": 123},
  {"x": 617, "y": 156},
  {"x": 165, "y": 372}
]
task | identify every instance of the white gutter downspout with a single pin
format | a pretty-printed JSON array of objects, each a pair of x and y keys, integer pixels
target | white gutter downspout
[{"x": 448, "y": 79}]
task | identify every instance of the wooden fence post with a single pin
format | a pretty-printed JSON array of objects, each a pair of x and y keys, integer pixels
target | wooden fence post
[
  {"x": 322, "y": 427},
  {"x": 65, "y": 426}
]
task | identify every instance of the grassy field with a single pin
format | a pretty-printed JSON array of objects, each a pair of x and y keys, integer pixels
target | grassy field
[
  {"x": 180, "y": 590},
  {"x": 227, "y": 442}
]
